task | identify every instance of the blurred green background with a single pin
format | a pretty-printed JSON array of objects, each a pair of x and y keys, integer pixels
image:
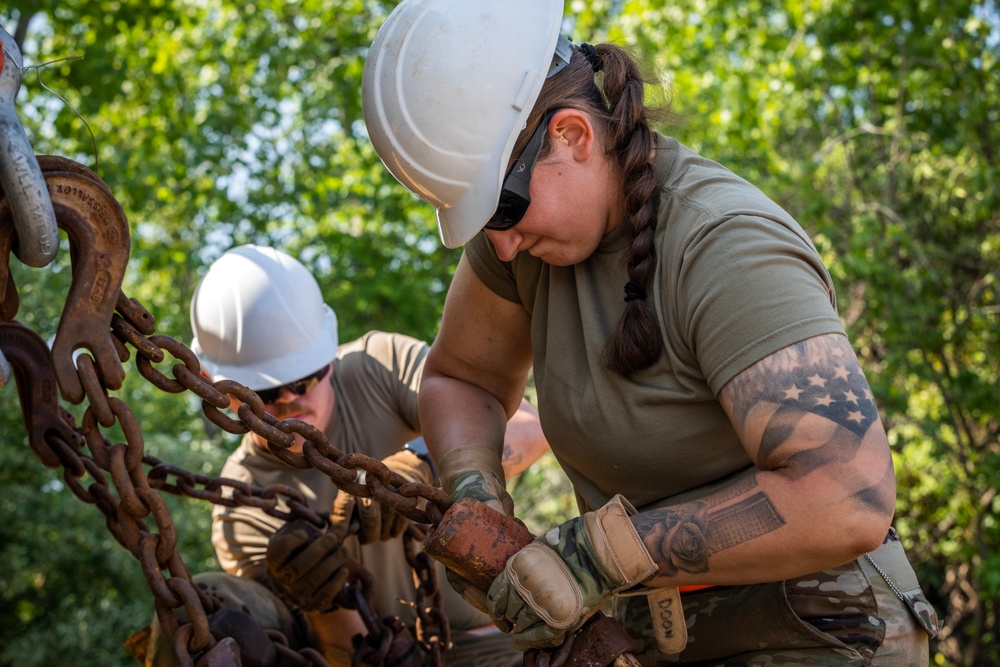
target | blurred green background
[{"x": 218, "y": 123}]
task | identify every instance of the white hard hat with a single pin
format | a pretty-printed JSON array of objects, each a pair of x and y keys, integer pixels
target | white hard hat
[
  {"x": 258, "y": 318},
  {"x": 447, "y": 88}
]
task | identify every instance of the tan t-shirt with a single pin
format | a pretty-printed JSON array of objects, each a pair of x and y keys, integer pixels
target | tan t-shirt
[
  {"x": 736, "y": 279},
  {"x": 375, "y": 381}
]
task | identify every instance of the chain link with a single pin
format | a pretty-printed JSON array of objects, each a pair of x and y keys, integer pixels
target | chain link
[{"x": 433, "y": 628}]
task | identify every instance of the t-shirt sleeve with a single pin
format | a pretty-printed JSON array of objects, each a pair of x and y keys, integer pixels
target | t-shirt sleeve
[
  {"x": 391, "y": 368},
  {"x": 240, "y": 536},
  {"x": 748, "y": 286},
  {"x": 407, "y": 366},
  {"x": 496, "y": 274}
]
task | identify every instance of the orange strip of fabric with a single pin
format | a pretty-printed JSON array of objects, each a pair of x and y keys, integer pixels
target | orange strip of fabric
[{"x": 692, "y": 588}]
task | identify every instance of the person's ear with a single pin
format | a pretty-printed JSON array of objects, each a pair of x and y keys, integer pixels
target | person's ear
[{"x": 572, "y": 129}]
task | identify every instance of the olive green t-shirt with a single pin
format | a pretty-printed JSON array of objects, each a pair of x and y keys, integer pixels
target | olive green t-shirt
[
  {"x": 736, "y": 279},
  {"x": 375, "y": 381}
]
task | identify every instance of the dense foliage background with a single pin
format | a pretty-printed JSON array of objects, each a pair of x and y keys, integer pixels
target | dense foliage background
[{"x": 218, "y": 123}]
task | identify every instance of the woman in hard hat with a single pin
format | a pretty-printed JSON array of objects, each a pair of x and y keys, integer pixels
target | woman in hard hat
[{"x": 694, "y": 379}]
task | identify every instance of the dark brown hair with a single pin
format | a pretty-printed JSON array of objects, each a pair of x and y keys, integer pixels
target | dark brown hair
[{"x": 622, "y": 120}]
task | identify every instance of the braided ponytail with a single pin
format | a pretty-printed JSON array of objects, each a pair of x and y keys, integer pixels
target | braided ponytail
[
  {"x": 618, "y": 109},
  {"x": 635, "y": 342}
]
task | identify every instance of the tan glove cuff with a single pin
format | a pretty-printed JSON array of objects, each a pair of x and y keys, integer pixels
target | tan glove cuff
[
  {"x": 410, "y": 466},
  {"x": 617, "y": 544},
  {"x": 482, "y": 460},
  {"x": 457, "y": 462}
]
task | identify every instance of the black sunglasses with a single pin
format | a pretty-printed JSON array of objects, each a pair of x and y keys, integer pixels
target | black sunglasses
[
  {"x": 514, "y": 196},
  {"x": 299, "y": 387}
]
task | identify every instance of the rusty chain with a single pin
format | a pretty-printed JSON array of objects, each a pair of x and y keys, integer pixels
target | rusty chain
[
  {"x": 433, "y": 629},
  {"x": 380, "y": 482},
  {"x": 98, "y": 234}
]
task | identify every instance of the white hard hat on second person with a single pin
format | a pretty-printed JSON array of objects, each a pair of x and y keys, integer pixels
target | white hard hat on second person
[
  {"x": 447, "y": 88},
  {"x": 259, "y": 318}
]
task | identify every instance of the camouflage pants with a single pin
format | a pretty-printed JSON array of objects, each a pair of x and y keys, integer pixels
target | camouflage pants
[
  {"x": 482, "y": 647},
  {"x": 847, "y": 615}
]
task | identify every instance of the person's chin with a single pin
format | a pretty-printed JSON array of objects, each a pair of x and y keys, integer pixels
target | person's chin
[
  {"x": 557, "y": 259},
  {"x": 555, "y": 254}
]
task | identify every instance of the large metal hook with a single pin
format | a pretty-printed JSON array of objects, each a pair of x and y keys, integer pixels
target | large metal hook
[{"x": 99, "y": 251}]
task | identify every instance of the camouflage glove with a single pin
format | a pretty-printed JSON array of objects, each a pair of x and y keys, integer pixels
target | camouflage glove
[
  {"x": 378, "y": 521},
  {"x": 476, "y": 472},
  {"x": 307, "y": 566},
  {"x": 553, "y": 585}
]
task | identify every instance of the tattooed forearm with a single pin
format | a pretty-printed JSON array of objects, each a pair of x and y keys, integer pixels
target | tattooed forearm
[
  {"x": 681, "y": 539},
  {"x": 740, "y": 486},
  {"x": 743, "y": 521},
  {"x": 676, "y": 538}
]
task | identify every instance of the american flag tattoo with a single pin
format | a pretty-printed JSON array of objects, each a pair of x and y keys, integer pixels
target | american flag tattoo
[{"x": 840, "y": 394}]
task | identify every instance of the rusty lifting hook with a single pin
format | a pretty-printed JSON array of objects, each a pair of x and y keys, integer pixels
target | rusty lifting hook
[{"x": 99, "y": 251}]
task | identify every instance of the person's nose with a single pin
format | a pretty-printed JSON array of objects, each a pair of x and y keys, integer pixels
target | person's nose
[
  {"x": 282, "y": 404},
  {"x": 506, "y": 242},
  {"x": 286, "y": 396}
]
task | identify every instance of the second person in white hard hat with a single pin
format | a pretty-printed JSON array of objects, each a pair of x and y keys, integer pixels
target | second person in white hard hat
[
  {"x": 259, "y": 318},
  {"x": 694, "y": 379}
]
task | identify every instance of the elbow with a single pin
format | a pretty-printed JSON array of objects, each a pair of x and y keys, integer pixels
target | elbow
[
  {"x": 850, "y": 526},
  {"x": 870, "y": 538},
  {"x": 858, "y": 505},
  {"x": 873, "y": 510},
  {"x": 432, "y": 366},
  {"x": 866, "y": 531}
]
